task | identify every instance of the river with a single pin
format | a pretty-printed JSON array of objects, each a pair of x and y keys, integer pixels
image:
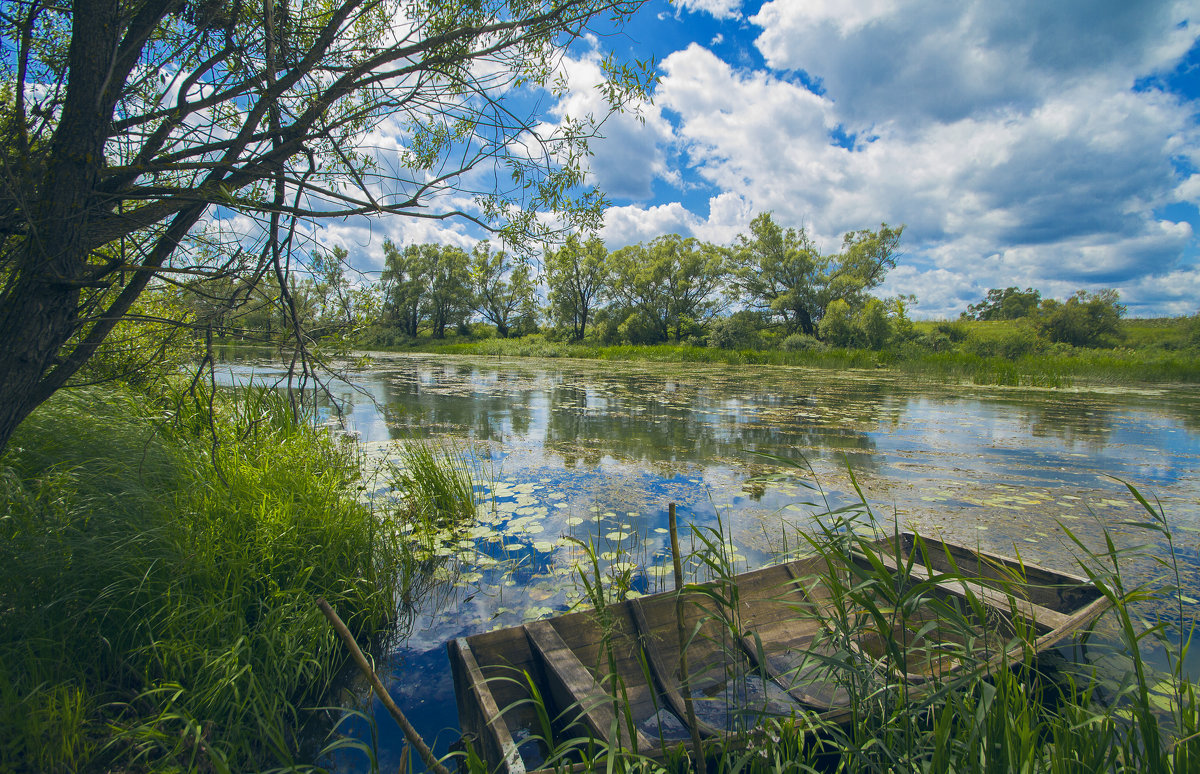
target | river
[{"x": 588, "y": 449}]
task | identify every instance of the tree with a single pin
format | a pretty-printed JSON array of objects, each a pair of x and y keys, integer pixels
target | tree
[
  {"x": 448, "y": 300},
  {"x": 333, "y": 294},
  {"x": 125, "y": 123},
  {"x": 577, "y": 275},
  {"x": 1083, "y": 320},
  {"x": 778, "y": 270},
  {"x": 404, "y": 280},
  {"x": 504, "y": 292},
  {"x": 670, "y": 281},
  {"x": 1008, "y": 304},
  {"x": 782, "y": 271}
]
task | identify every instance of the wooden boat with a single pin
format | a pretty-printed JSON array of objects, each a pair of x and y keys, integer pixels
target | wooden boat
[{"x": 763, "y": 644}]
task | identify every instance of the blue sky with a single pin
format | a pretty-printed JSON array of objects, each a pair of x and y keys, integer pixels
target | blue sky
[{"x": 1029, "y": 143}]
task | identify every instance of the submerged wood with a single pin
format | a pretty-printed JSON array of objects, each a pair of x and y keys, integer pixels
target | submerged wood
[{"x": 763, "y": 646}]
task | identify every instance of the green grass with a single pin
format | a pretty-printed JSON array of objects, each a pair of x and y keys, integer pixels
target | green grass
[
  {"x": 1006, "y": 353},
  {"x": 156, "y": 612}
]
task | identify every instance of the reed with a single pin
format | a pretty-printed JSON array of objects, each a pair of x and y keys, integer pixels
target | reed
[
  {"x": 1025, "y": 716},
  {"x": 158, "y": 573},
  {"x": 990, "y": 353}
]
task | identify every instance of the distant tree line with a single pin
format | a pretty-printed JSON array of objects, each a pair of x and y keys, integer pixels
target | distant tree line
[
  {"x": 769, "y": 288},
  {"x": 1083, "y": 320},
  {"x": 670, "y": 289}
]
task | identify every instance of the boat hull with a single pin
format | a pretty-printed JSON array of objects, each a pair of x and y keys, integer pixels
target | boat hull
[{"x": 766, "y": 643}]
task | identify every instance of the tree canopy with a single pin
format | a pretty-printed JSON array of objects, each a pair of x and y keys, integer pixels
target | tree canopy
[
  {"x": 781, "y": 271},
  {"x": 126, "y": 123},
  {"x": 670, "y": 281},
  {"x": 578, "y": 277},
  {"x": 1008, "y": 304}
]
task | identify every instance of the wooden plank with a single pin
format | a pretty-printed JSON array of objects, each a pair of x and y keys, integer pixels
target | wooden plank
[
  {"x": 1034, "y": 613},
  {"x": 493, "y": 731},
  {"x": 575, "y": 686},
  {"x": 1056, "y": 589},
  {"x": 665, "y": 677}
]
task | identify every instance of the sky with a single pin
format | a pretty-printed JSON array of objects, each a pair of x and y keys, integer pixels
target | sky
[{"x": 1052, "y": 145}]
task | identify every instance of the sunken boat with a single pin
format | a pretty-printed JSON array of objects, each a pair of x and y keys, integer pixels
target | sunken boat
[{"x": 713, "y": 660}]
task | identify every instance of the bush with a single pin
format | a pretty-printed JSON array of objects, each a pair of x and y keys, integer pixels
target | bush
[
  {"x": 1010, "y": 344},
  {"x": 956, "y": 331},
  {"x": 733, "y": 332},
  {"x": 799, "y": 342},
  {"x": 1084, "y": 320},
  {"x": 637, "y": 328}
]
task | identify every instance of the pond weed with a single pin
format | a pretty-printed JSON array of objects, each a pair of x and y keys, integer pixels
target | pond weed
[{"x": 996, "y": 709}]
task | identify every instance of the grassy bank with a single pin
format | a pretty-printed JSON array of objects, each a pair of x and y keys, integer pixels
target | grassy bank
[
  {"x": 157, "y": 578},
  {"x": 976, "y": 363}
]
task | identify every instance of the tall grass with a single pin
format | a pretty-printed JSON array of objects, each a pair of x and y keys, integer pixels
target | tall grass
[
  {"x": 996, "y": 708},
  {"x": 157, "y": 578}
]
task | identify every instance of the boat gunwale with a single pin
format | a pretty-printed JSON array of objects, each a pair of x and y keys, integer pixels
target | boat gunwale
[{"x": 902, "y": 545}]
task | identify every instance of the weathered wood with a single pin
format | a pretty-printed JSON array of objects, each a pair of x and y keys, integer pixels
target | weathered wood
[
  {"x": 776, "y": 631},
  {"x": 575, "y": 687},
  {"x": 1045, "y": 617},
  {"x": 473, "y": 694},
  {"x": 663, "y": 674}
]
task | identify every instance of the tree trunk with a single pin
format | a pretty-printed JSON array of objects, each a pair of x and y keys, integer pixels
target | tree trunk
[{"x": 50, "y": 263}]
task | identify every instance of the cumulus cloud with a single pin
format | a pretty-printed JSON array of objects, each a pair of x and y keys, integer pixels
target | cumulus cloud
[
  {"x": 630, "y": 151},
  {"x": 631, "y": 224},
  {"x": 719, "y": 9},
  {"x": 1012, "y": 142},
  {"x": 909, "y": 61}
]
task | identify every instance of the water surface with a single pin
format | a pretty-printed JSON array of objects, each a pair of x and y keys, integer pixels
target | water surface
[{"x": 596, "y": 450}]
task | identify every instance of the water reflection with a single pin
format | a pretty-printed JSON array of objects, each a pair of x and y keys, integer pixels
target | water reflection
[{"x": 596, "y": 450}]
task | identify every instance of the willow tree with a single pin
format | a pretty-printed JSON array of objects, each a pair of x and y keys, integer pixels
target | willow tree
[
  {"x": 132, "y": 128},
  {"x": 781, "y": 271},
  {"x": 670, "y": 282},
  {"x": 577, "y": 276}
]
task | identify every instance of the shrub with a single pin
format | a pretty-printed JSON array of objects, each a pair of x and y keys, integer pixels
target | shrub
[
  {"x": 956, "y": 331},
  {"x": 733, "y": 333},
  {"x": 637, "y": 328},
  {"x": 799, "y": 342},
  {"x": 1083, "y": 320},
  {"x": 1010, "y": 344}
]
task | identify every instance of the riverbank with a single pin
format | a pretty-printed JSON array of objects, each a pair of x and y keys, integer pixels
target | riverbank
[
  {"x": 1062, "y": 367},
  {"x": 158, "y": 573}
]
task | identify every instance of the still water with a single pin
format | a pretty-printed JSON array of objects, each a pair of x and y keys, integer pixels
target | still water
[{"x": 585, "y": 449}]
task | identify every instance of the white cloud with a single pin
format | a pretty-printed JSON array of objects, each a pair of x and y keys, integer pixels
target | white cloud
[
  {"x": 631, "y": 224},
  {"x": 629, "y": 153},
  {"x": 909, "y": 61},
  {"x": 1056, "y": 189},
  {"x": 719, "y": 9}
]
